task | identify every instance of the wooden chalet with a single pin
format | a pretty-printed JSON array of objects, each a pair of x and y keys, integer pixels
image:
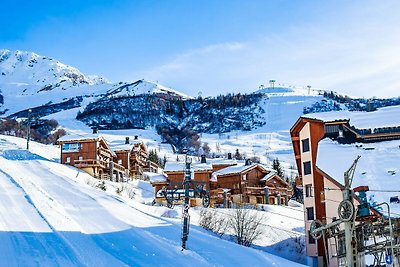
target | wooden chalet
[
  {"x": 91, "y": 153},
  {"x": 176, "y": 173},
  {"x": 253, "y": 183},
  {"x": 133, "y": 155}
]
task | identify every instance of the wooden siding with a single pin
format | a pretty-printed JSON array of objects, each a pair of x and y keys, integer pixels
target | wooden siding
[
  {"x": 178, "y": 177},
  {"x": 87, "y": 151}
]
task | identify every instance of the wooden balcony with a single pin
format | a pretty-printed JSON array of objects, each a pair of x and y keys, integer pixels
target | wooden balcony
[
  {"x": 104, "y": 152},
  {"x": 118, "y": 167},
  {"x": 254, "y": 190},
  {"x": 86, "y": 163},
  {"x": 259, "y": 191}
]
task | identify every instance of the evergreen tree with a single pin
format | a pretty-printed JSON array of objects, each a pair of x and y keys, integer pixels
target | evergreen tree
[{"x": 276, "y": 165}]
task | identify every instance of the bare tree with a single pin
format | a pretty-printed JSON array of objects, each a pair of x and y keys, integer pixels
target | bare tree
[
  {"x": 210, "y": 220},
  {"x": 245, "y": 226}
]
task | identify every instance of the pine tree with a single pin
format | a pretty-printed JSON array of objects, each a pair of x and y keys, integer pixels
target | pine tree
[{"x": 276, "y": 165}]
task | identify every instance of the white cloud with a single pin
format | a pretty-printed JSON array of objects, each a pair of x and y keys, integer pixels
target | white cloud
[{"x": 356, "y": 54}]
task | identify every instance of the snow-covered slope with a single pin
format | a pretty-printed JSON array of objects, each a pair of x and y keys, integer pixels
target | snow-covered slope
[
  {"x": 51, "y": 216},
  {"x": 28, "y": 80},
  {"x": 144, "y": 87},
  {"x": 31, "y": 68}
]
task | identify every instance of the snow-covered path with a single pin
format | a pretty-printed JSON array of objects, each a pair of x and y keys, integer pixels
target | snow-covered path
[{"x": 48, "y": 218}]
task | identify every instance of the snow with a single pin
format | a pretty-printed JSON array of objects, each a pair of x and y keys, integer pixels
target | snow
[
  {"x": 52, "y": 215},
  {"x": 269, "y": 175},
  {"x": 238, "y": 169},
  {"x": 117, "y": 145},
  {"x": 145, "y": 87},
  {"x": 155, "y": 177},
  {"x": 79, "y": 137},
  {"x": 378, "y": 167},
  {"x": 382, "y": 117},
  {"x": 181, "y": 166}
]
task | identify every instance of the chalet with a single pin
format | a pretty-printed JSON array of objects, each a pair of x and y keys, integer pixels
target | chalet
[
  {"x": 118, "y": 160},
  {"x": 91, "y": 153},
  {"x": 253, "y": 183},
  {"x": 133, "y": 155},
  {"x": 174, "y": 174},
  {"x": 322, "y": 158},
  {"x": 201, "y": 173}
]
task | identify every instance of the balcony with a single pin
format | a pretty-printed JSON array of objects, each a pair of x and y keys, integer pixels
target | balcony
[
  {"x": 86, "y": 163},
  {"x": 104, "y": 152}
]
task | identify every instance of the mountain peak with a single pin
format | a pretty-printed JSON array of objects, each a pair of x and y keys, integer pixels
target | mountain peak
[
  {"x": 30, "y": 68},
  {"x": 143, "y": 86}
]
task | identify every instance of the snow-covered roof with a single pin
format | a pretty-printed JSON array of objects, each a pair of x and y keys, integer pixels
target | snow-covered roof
[
  {"x": 269, "y": 175},
  {"x": 118, "y": 145},
  {"x": 238, "y": 169},
  {"x": 79, "y": 137},
  {"x": 180, "y": 166},
  {"x": 156, "y": 177},
  {"x": 383, "y": 117},
  {"x": 222, "y": 161},
  {"x": 378, "y": 167}
]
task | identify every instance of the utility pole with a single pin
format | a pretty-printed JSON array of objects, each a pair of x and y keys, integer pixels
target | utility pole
[
  {"x": 28, "y": 128},
  {"x": 346, "y": 212},
  {"x": 185, "y": 211},
  {"x": 309, "y": 88},
  {"x": 272, "y": 83},
  {"x": 347, "y": 209}
]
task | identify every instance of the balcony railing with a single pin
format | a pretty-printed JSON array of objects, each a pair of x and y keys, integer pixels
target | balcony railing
[
  {"x": 84, "y": 163},
  {"x": 105, "y": 152}
]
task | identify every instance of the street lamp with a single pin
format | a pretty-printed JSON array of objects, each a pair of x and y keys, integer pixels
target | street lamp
[
  {"x": 28, "y": 130},
  {"x": 390, "y": 231}
]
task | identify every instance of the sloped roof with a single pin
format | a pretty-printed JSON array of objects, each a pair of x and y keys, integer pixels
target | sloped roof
[
  {"x": 222, "y": 161},
  {"x": 239, "y": 169},
  {"x": 269, "y": 175},
  {"x": 156, "y": 177},
  {"x": 378, "y": 167},
  {"x": 118, "y": 145},
  {"x": 79, "y": 137},
  {"x": 180, "y": 166}
]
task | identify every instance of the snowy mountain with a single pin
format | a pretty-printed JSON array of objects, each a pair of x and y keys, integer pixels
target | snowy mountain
[
  {"x": 141, "y": 87},
  {"x": 33, "y": 69},
  {"x": 28, "y": 80}
]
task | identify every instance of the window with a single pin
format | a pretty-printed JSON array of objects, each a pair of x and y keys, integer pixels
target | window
[
  {"x": 305, "y": 143},
  {"x": 80, "y": 158},
  {"x": 120, "y": 161},
  {"x": 68, "y": 160},
  {"x": 309, "y": 190},
  {"x": 73, "y": 147},
  {"x": 310, "y": 213},
  {"x": 307, "y": 167},
  {"x": 244, "y": 177},
  {"x": 311, "y": 240}
]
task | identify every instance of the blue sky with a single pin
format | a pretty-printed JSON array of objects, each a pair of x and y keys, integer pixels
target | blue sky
[{"x": 217, "y": 46}]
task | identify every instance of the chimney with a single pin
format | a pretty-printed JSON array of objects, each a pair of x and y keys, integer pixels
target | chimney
[
  {"x": 136, "y": 137},
  {"x": 229, "y": 155},
  {"x": 95, "y": 130},
  {"x": 203, "y": 159},
  {"x": 127, "y": 140},
  {"x": 248, "y": 162}
]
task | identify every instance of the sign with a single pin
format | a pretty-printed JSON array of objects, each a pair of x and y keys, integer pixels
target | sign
[
  {"x": 389, "y": 259},
  {"x": 185, "y": 211},
  {"x": 73, "y": 147}
]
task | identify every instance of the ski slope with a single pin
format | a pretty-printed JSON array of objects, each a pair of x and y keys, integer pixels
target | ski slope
[{"x": 49, "y": 217}]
